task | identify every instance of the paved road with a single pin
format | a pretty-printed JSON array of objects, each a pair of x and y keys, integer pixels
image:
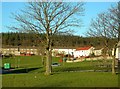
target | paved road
[{"x": 0, "y": 71}]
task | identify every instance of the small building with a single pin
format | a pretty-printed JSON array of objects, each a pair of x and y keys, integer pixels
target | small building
[
  {"x": 98, "y": 52},
  {"x": 83, "y": 51}
]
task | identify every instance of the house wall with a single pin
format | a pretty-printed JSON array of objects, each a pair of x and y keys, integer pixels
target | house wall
[
  {"x": 79, "y": 53},
  {"x": 21, "y": 50},
  {"x": 63, "y": 51},
  {"x": 17, "y": 53},
  {"x": 98, "y": 52}
]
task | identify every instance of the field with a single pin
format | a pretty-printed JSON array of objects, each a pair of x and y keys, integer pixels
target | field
[{"x": 29, "y": 72}]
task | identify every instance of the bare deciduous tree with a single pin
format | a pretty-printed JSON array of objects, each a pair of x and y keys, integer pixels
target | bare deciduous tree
[
  {"x": 107, "y": 25},
  {"x": 49, "y": 18}
]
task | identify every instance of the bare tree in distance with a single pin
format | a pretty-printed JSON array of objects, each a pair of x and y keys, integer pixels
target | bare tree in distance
[
  {"x": 106, "y": 25},
  {"x": 49, "y": 18},
  {"x": 118, "y": 32},
  {"x": 119, "y": 20},
  {"x": 116, "y": 17}
]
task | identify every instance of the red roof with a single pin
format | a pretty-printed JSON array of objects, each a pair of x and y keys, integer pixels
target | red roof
[{"x": 83, "y": 48}]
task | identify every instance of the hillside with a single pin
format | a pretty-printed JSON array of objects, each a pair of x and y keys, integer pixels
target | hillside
[{"x": 64, "y": 41}]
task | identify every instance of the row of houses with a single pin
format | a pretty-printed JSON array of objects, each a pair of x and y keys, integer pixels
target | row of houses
[
  {"x": 87, "y": 51},
  {"x": 19, "y": 51},
  {"x": 79, "y": 52},
  {"x": 76, "y": 52}
]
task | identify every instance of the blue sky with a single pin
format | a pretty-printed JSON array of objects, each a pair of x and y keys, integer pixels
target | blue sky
[{"x": 91, "y": 11}]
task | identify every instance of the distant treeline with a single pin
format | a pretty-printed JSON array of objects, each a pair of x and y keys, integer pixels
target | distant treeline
[{"x": 31, "y": 39}]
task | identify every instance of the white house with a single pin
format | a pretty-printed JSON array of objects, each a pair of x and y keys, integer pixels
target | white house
[
  {"x": 83, "y": 51},
  {"x": 63, "y": 51}
]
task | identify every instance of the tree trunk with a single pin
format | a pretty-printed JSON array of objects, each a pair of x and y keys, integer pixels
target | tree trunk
[
  {"x": 51, "y": 59},
  {"x": 48, "y": 63},
  {"x": 113, "y": 65},
  {"x": 43, "y": 60},
  {"x": 48, "y": 58}
]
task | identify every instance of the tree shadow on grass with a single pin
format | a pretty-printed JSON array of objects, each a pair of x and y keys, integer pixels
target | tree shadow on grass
[
  {"x": 82, "y": 69},
  {"x": 18, "y": 71}
]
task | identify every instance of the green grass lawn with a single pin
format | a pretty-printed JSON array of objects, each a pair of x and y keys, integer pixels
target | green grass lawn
[
  {"x": 23, "y": 61},
  {"x": 31, "y": 74},
  {"x": 64, "y": 79}
]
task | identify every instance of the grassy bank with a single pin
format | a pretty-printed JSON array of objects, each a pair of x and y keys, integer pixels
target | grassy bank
[{"x": 30, "y": 73}]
